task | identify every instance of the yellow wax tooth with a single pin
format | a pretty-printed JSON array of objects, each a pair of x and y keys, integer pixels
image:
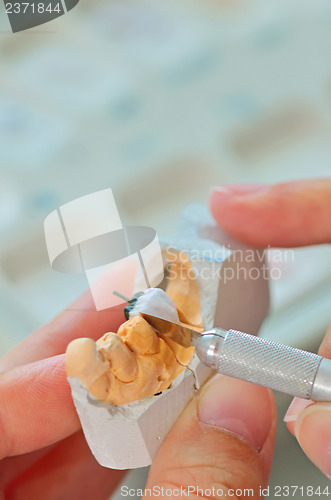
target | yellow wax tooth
[
  {"x": 137, "y": 362},
  {"x": 83, "y": 360},
  {"x": 183, "y": 289},
  {"x": 139, "y": 336},
  {"x": 122, "y": 360}
]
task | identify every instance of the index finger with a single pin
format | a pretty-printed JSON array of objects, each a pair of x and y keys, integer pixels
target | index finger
[
  {"x": 81, "y": 319},
  {"x": 36, "y": 407},
  {"x": 283, "y": 215}
]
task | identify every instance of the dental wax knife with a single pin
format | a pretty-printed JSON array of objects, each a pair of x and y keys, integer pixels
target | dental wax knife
[{"x": 260, "y": 361}]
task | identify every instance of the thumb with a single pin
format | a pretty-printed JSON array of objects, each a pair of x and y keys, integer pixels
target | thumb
[
  {"x": 222, "y": 441},
  {"x": 288, "y": 214}
]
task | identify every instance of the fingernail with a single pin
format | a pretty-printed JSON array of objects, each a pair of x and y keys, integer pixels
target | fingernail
[
  {"x": 240, "y": 408},
  {"x": 313, "y": 431},
  {"x": 240, "y": 189},
  {"x": 296, "y": 408}
]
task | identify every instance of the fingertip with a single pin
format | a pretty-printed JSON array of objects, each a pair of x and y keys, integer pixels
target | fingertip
[
  {"x": 296, "y": 407},
  {"x": 216, "y": 197},
  {"x": 219, "y": 200},
  {"x": 237, "y": 210},
  {"x": 290, "y": 427},
  {"x": 245, "y": 410},
  {"x": 288, "y": 214},
  {"x": 313, "y": 432},
  {"x": 239, "y": 189}
]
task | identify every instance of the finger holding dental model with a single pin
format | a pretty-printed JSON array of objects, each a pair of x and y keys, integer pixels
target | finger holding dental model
[
  {"x": 134, "y": 363},
  {"x": 127, "y": 419}
]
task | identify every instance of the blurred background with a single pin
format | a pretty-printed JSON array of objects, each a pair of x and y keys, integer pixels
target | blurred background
[{"x": 160, "y": 101}]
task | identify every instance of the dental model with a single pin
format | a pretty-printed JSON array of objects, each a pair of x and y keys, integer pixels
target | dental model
[
  {"x": 136, "y": 362},
  {"x": 130, "y": 387}
]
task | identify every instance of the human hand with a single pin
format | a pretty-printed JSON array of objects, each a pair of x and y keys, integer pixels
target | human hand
[
  {"x": 216, "y": 443},
  {"x": 288, "y": 214},
  {"x": 44, "y": 453},
  {"x": 223, "y": 440}
]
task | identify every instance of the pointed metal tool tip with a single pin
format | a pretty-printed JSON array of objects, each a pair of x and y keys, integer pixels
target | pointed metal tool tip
[
  {"x": 155, "y": 322},
  {"x": 121, "y": 296}
]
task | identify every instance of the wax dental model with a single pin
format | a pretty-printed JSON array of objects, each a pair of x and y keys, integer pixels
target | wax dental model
[
  {"x": 136, "y": 362},
  {"x": 128, "y": 435}
]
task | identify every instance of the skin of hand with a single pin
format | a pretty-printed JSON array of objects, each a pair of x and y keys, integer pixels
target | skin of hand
[
  {"x": 224, "y": 438},
  {"x": 289, "y": 214}
]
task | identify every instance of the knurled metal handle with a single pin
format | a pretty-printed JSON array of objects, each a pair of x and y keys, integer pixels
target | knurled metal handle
[{"x": 263, "y": 362}]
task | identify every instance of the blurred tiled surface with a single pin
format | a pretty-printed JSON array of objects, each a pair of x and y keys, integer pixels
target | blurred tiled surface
[{"x": 160, "y": 101}]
